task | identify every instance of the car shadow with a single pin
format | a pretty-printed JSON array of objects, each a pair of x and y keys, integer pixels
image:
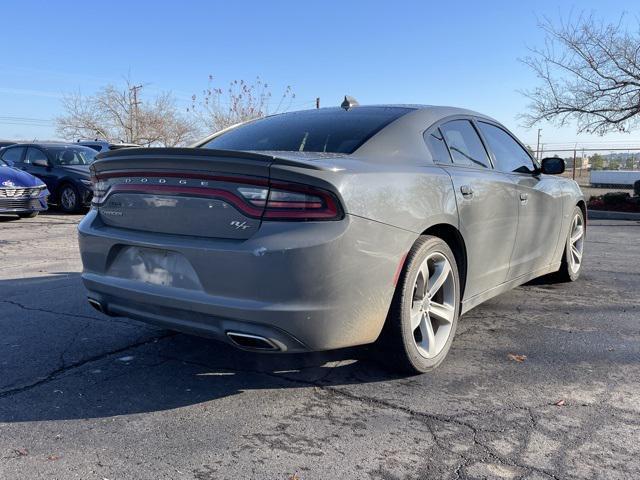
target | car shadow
[{"x": 158, "y": 370}]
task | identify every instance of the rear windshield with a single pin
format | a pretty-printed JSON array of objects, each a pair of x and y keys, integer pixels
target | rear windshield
[{"x": 332, "y": 130}]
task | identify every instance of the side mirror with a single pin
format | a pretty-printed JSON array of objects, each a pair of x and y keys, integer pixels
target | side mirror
[
  {"x": 552, "y": 166},
  {"x": 40, "y": 162}
]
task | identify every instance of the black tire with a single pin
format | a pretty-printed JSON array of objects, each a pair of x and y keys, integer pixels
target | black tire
[
  {"x": 568, "y": 272},
  {"x": 397, "y": 345},
  {"x": 28, "y": 215},
  {"x": 65, "y": 203}
]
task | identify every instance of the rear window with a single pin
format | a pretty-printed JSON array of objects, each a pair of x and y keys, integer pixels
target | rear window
[{"x": 333, "y": 130}]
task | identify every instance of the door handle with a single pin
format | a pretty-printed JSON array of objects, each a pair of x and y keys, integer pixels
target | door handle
[
  {"x": 466, "y": 191},
  {"x": 524, "y": 197}
]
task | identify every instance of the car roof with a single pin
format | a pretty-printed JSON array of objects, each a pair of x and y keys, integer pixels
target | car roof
[
  {"x": 441, "y": 111},
  {"x": 407, "y": 131}
]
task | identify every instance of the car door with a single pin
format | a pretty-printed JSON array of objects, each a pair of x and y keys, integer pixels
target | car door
[
  {"x": 46, "y": 174},
  {"x": 539, "y": 199},
  {"x": 487, "y": 206}
]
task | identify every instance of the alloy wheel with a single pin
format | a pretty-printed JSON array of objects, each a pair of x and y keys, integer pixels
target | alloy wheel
[
  {"x": 576, "y": 243},
  {"x": 433, "y": 305},
  {"x": 68, "y": 199}
]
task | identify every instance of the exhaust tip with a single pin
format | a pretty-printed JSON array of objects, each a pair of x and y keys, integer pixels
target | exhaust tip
[
  {"x": 252, "y": 342},
  {"x": 96, "y": 304}
]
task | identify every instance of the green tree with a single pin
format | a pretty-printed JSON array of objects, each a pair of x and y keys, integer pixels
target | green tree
[
  {"x": 629, "y": 163},
  {"x": 597, "y": 162}
]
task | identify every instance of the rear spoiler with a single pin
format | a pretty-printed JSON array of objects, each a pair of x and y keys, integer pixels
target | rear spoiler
[
  {"x": 182, "y": 151},
  {"x": 156, "y": 154}
]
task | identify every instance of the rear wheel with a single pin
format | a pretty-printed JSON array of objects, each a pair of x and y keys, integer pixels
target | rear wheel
[
  {"x": 28, "y": 215},
  {"x": 574, "y": 249},
  {"x": 69, "y": 199},
  {"x": 424, "y": 315}
]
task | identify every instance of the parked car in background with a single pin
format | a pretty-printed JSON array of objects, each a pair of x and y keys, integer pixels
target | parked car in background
[
  {"x": 64, "y": 168},
  {"x": 104, "y": 146},
  {"x": 329, "y": 228},
  {"x": 21, "y": 194}
]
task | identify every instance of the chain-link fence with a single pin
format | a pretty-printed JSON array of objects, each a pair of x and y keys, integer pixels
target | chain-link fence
[{"x": 597, "y": 166}]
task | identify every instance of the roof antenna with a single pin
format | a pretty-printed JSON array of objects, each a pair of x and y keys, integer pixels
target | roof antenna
[{"x": 349, "y": 102}]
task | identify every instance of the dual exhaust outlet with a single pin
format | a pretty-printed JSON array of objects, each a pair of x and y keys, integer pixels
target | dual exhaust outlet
[
  {"x": 252, "y": 342},
  {"x": 245, "y": 341}
]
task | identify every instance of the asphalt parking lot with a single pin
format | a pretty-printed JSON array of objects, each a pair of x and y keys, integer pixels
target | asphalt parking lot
[{"x": 90, "y": 397}]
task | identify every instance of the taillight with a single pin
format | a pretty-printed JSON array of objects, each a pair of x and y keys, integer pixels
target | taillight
[
  {"x": 254, "y": 197},
  {"x": 288, "y": 201},
  {"x": 100, "y": 188}
]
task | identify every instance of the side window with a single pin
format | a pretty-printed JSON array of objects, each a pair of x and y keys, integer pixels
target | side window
[
  {"x": 464, "y": 144},
  {"x": 437, "y": 147},
  {"x": 509, "y": 155},
  {"x": 34, "y": 154},
  {"x": 13, "y": 155}
]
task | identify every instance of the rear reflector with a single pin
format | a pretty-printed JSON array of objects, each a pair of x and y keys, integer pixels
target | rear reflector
[{"x": 396, "y": 276}]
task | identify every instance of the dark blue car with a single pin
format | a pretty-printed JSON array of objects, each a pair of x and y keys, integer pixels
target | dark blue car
[
  {"x": 63, "y": 167},
  {"x": 21, "y": 194}
]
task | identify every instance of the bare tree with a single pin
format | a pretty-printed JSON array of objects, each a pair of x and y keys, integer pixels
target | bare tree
[
  {"x": 216, "y": 108},
  {"x": 590, "y": 75},
  {"x": 122, "y": 115}
]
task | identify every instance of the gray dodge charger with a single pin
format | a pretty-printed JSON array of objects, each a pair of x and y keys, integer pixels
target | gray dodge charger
[{"x": 329, "y": 228}]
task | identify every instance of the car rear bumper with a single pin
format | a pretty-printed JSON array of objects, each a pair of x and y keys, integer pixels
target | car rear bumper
[{"x": 303, "y": 286}]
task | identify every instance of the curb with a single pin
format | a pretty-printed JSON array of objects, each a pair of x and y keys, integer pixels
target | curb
[{"x": 608, "y": 215}]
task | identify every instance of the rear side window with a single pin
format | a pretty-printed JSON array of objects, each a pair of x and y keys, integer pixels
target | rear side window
[
  {"x": 437, "y": 147},
  {"x": 509, "y": 155},
  {"x": 12, "y": 155},
  {"x": 332, "y": 130},
  {"x": 63, "y": 156},
  {"x": 34, "y": 154},
  {"x": 464, "y": 144}
]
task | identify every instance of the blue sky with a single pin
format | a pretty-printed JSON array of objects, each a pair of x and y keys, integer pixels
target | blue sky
[{"x": 444, "y": 53}]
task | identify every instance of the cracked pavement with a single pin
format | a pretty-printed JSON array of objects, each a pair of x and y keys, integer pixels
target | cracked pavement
[{"x": 87, "y": 396}]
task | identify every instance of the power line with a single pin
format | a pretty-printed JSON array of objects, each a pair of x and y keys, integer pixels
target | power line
[{"x": 16, "y": 120}]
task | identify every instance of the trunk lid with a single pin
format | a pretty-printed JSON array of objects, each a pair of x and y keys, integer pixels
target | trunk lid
[
  {"x": 211, "y": 193},
  {"x": 181, "y": 191}
]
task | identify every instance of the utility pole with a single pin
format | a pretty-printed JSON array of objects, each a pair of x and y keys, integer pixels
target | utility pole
[
  {"x": 538, "y": 145},
  {"x": 317, "y": 102},
  {"x": 134, "y": 104},
  {"x": 574, "y": 163}
]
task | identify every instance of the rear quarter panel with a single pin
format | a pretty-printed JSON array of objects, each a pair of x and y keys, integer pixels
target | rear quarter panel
[{"x": 404, "y": 196}]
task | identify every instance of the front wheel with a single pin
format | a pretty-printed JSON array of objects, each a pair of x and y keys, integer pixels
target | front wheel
[
  {"x": 574, "y": 249},
  {"x": 424, "y": 314},
  {"x": 69, "y": 199}
]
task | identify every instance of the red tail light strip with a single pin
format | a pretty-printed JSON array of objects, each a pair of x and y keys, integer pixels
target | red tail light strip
[
  {"x": 225, "y": 195},
  {"x": 327, "y": 209}
]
